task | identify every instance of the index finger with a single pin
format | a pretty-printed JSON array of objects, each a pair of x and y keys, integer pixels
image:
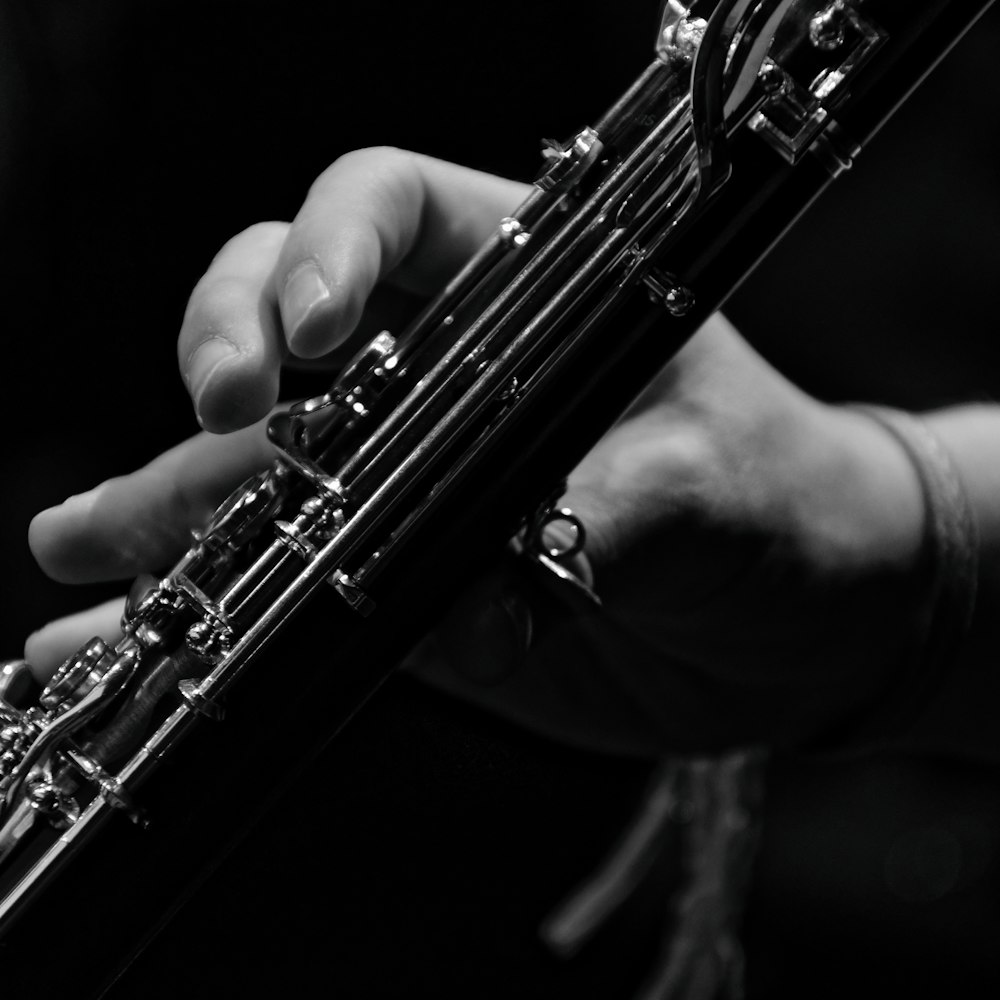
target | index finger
[
  {"x": 379, "y": 213},
  {"x": 374, "y": 214}
]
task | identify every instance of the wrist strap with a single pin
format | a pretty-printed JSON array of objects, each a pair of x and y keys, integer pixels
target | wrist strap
[{"x": 951, "y": 553}]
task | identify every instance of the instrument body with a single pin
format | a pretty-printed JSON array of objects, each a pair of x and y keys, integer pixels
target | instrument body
[{"x": 390, "y": 474}]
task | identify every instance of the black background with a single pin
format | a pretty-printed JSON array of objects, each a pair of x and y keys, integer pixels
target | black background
[{"x": 135, "y": 138}]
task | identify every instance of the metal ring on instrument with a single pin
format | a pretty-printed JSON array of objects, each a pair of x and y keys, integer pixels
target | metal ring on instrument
[{"x": 574, "y": 547}]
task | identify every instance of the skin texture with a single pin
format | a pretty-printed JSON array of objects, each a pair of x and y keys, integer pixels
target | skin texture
[{"x": 757, "y": 552}]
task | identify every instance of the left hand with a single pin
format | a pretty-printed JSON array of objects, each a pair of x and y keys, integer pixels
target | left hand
[{"x": 755, "y": 550}]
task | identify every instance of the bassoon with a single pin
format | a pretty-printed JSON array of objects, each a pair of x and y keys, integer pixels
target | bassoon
[{"x": 144, "y": 759}]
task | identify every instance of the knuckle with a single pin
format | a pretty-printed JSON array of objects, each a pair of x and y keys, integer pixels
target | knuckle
[
  {"x": 271, "y": 231},
  {"x": 683, "y": 455},
  {"x": 246, "y": 243},
  {"x": 372, "y": 162},
  {"x": 217, "y": 303},
  {"x": 368, "y": 155},
  {"x": 691, "y": 455}
]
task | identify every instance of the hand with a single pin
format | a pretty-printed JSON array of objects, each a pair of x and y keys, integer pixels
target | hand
[
  {"x": 755, "y": 550},
  {"x": 274, "y": 293}
]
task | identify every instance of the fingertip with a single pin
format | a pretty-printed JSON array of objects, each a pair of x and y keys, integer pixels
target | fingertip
[
  {"x": 39, "y": 530},
  {"x": 230, "y": 340},
  {"x": 315, "y": 319},
  {"x": 233, "y": 393},
  {"x": 39, "y": 655},
  {"x": 48, "y": 530},
  {"x": 222, "y": 411},
  {"x": 206, "y": 364}
]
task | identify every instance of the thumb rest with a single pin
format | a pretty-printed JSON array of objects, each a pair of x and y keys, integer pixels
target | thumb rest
[{"x": 464, "y": 425}]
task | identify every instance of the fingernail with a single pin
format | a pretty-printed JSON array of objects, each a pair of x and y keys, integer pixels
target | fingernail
[
  {"x": 304, "y": 291},
  {"x": 207, "y": 359}
]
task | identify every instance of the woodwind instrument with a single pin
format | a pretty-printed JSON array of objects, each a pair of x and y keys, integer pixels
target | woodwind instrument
[{"x": 148, "y": 756}]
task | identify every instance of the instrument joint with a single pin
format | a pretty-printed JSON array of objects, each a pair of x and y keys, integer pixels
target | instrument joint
[
  {"x": 296, "y": 539},
  {"x": 195, "y": 698},
  {"x": 111, "y": 790}
]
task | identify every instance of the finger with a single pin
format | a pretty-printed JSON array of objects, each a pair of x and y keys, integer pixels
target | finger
[
  {"x": 377, "y": 213},
  {"x": 46, "y": 649},
  {"x": 230, "y": 346},
  {"x": 142, "y": 521}
]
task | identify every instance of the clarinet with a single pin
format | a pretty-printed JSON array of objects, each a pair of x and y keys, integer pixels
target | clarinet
[{"x": 148, "y": 755}]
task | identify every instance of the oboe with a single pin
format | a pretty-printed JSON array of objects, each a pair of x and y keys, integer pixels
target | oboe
[{"x": 636, "y": 229}]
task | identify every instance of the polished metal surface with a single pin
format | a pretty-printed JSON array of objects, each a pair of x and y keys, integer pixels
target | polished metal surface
[
  {"x": 567, "y": 164},
  {"x": 669, "y": 292},
  {"x": 16, "y": 685},
  {"x": 796, "y": 114},
  {"x": 828, "y": 27}
]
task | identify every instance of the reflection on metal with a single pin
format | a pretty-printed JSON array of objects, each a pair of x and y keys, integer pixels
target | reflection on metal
[
  {"x": 792, "y": 116},
  {"x": 665, "y": 289},
  {"x": 512, "y": 233},
  {"x": 680, "y": 34},
  {"x": 835, "y": 150},
  {"x": 828, "y": 27},
  {"x": 798, "y": 114},
  {"x": 51, "y": 800},
  {"x": 349, "y": 590},
  {"x": 190, "y": 690},
  {"x": 76, "y": 677},
  {"x": 566, "y": 167},
  {"x": 17, "y": 685},
  {"x": 111, "y": 790}
]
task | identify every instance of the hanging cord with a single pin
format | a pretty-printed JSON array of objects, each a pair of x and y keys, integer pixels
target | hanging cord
[{"x": 710, "y": 810}]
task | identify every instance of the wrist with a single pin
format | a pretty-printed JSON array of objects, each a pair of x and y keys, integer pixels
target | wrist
[
  {"x": 860, "y": 502},
  {"x": 939, "y": 567}
]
